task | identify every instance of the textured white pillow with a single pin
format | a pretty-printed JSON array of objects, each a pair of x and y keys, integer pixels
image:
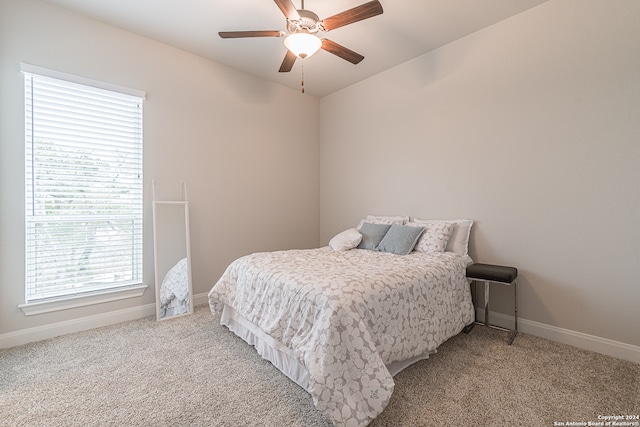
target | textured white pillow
[
  {"x": 389, "y": 220},
  {"x": 459, "y": 240},
  {"x": 346, "y": 240},
  {"x": 435, "y": 236}
]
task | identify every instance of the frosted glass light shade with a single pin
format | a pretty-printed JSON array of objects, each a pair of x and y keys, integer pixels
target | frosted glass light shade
[{"x": 303, "y": 45}]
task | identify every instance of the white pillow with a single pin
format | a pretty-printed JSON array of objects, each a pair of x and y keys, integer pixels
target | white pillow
[
  {"x": 435, "y": 237},
  {"x": 459, "y": 240},
  {"x": 390, "y": 220},
  {"x": 346, "y": 240}
]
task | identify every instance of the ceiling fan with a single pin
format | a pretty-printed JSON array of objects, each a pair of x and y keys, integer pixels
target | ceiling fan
[{"x": 303, "y": 26}]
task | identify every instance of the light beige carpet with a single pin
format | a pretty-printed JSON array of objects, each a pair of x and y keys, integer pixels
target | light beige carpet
[{"x": 191, "y": 371}]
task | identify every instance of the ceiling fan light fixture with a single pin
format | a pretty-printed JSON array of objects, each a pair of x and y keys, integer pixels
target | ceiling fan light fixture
[{"x": 303, "y": 45}]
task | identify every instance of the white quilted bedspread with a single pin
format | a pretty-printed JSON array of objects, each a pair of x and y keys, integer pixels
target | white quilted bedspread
[{"x": 347, "y": 314}]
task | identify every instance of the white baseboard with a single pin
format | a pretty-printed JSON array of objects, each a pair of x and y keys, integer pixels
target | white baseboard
[
  {"x": 565, "y": 336},
  {"x": 201, "y": 299},
  {"x": 553, "y": 333},
  {"x": 44, "y": 332}
]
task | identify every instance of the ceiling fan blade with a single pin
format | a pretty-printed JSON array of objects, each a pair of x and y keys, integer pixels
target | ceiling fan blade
[
  {"x": 241, "y": 34},
  {"x": 287, "y": 63},
  {"x": 288, "y": 9},
  {"x": 341, "y": 51},
  {"x": 358, "y": 13}
]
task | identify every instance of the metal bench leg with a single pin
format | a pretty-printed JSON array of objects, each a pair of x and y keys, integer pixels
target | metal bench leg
[
  {"x": 515, "y": 311},
  {"x": 474, "y": 294},
  {"x": 486, "y": 303}
]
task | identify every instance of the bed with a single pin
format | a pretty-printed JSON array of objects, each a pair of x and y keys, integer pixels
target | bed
[{"x": 341, "y": 320}]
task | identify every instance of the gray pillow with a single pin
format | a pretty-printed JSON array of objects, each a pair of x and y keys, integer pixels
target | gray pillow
[
  {"x": 372, "y": 234},
  {"x": 400, "y": 239}
]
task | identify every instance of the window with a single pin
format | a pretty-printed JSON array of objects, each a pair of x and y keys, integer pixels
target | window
[{"x": 83, "y": 187}]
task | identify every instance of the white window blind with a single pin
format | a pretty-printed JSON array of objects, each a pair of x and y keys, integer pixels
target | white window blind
[{"x": 83, "y": 188}]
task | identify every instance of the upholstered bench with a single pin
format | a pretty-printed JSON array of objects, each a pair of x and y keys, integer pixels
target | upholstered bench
[{"x": 489, "y": 273}]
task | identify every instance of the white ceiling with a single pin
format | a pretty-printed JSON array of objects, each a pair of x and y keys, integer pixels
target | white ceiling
[{"x": 406, "y": 29}]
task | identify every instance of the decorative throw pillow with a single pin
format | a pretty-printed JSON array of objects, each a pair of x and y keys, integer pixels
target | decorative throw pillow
[
  {"x": 372, "y": 234},
  {"x": 459, "y": 240},
  {"x": 435, "y": 237},
  {"x": 346, "y": 240},
  {"x": 400, "y": 239}
]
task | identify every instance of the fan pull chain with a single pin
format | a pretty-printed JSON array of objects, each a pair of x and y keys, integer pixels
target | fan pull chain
[{"x": 303, "y": 77}]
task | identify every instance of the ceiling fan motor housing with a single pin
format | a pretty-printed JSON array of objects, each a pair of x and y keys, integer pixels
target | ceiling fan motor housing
[{"x": 308, "y": 23}]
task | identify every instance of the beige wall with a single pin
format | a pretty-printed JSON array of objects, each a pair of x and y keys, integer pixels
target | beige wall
[
  {"x": 252, "y": 182},
  {"x": 530, "y": 127}
]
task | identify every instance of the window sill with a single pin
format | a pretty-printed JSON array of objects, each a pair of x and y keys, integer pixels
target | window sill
[{"x": 41, "y": 307}]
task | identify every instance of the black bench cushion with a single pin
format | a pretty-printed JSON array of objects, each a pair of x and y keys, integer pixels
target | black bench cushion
[{"x": 496, "y": 273}]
